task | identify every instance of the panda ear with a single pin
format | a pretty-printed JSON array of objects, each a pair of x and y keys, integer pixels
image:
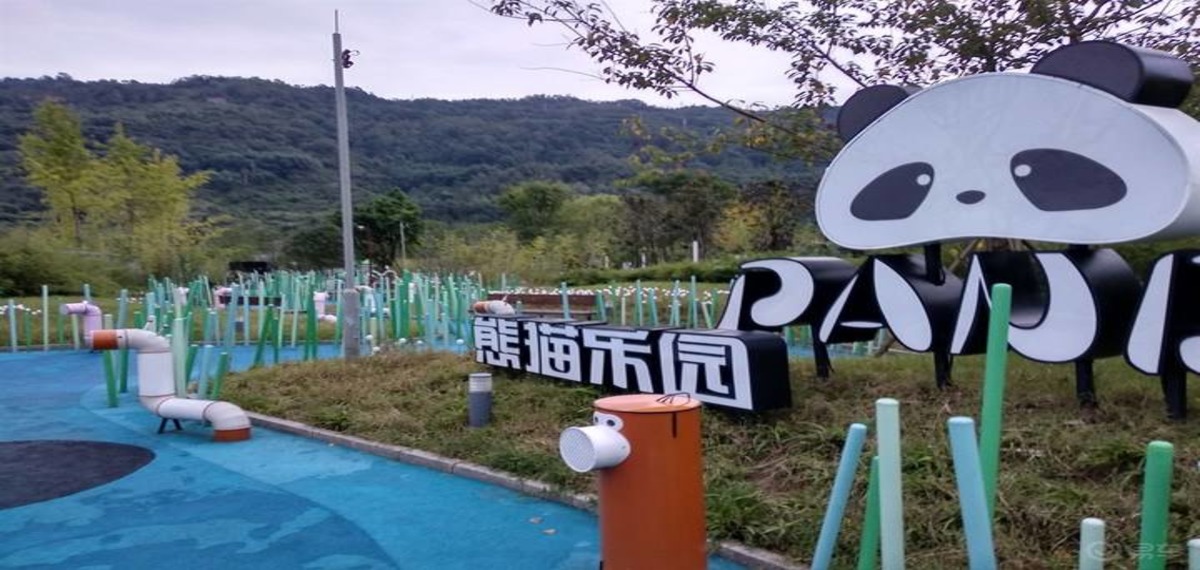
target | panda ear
[
  {"x": 868, "y": 104},
  {"x": 1136, "y": 75}
]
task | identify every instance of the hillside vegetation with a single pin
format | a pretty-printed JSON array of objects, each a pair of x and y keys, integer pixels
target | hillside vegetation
[{"x": 271, "y": 147}]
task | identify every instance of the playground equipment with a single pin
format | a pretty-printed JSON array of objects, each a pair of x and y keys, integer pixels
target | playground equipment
[
  {"x": 91, "y": 316},
  {"x": 157, "y": 386},
  {"x": 647, "y": 450},
  {"x": 493, "y": 308}
]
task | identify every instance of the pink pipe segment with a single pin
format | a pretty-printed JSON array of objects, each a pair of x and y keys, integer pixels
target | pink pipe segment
[
  {"x": 91, "y": 315},
  {"x": 319, "y": 300},
  {"x": 217, "y": 304}
]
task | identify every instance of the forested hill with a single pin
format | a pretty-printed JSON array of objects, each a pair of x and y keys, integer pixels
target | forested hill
[{"x": 271, "y": 147}]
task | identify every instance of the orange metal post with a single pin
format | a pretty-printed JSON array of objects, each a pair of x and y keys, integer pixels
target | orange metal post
[{"x": 652, "y": 504}]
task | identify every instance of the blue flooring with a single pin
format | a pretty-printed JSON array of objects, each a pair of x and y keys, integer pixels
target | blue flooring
[{"x": 276, "y": 501}]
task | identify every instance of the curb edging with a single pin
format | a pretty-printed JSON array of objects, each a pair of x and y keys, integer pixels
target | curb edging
[{"x": 747, "y": 556}]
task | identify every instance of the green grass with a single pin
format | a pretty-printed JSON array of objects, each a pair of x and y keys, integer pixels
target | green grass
[{"x": 768, "y": 476}]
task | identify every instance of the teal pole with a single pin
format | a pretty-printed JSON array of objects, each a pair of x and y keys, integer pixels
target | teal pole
[
  {"x": 891, "y": 508},
  {"x": 46, "y": 317},
  {"x": 977, "y": 525},
  {"x": 1156, "y": 500},
  {"x": 993, "y": 390},
  {"x": 12, "y": 326},
  {"x": 1091, "y": 544},
  {"x": 842, "y": 483}
]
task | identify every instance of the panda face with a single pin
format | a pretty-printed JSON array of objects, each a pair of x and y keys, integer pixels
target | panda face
[{"x": 1014, "y": 155}]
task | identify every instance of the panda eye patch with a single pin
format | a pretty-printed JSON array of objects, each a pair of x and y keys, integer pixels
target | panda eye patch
[
  {"x": 895, "y": 194},
  {"x": 1057, "y": 180}
]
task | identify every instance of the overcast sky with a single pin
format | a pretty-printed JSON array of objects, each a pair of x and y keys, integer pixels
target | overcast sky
[{"x": 446, "y": 49}]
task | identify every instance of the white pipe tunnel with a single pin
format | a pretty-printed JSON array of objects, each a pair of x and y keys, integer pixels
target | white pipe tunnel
[{"x": 156, "y": 384}]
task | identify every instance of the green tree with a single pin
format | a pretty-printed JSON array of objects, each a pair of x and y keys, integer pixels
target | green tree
[
  {"x": 856, "y": 42},
  {"x": 671, "y": 208},
  {"x": 533, "y": 208},
  {"x": 132, "y": 202},
  {"x": 589, "y": 229},
  {"x": 386, "y": 227},
  {"x": 145, "y": 200},
  {"x": 57, "y": 162},
  {"x": 318, "y": 246}
]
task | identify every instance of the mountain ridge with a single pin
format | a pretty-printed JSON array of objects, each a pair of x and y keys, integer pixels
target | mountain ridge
[{"x": 271, "y": 147}]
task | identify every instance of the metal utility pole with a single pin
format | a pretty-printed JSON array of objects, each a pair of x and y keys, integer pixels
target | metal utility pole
[{"x": 349, "y": 324}]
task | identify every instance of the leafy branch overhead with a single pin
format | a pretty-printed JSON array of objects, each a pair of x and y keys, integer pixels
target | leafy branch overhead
[{"x": 834, "y": 43}]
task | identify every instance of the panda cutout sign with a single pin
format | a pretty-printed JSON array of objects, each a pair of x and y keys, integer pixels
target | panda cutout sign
[{"x": 1088, "y": 149}]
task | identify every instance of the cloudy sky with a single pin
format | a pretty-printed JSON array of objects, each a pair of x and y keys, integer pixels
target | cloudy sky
[{"x": 447, "y": 49}]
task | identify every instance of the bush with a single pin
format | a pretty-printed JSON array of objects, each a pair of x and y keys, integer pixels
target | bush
[
  {"x": 29, "y": 260},
  {"x": 707, "y": 271}
]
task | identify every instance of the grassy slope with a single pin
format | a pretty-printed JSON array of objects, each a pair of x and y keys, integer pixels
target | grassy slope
[{"x": 768, "y": 477}]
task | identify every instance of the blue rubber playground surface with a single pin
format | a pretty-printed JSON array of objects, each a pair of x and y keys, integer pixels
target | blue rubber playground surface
[{"x": 276, "y": 501}]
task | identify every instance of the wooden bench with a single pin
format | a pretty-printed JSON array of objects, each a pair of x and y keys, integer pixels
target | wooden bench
[{"x": 581, "y": 307}]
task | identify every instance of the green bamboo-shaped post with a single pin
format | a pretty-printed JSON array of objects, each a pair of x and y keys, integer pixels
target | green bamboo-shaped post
[
  {"x": 222, "y": 370},
  {"x": 694, "y": 306},
  {"x": 310, "y": 330},
  {"x": 641, "y": 317},
  {"x": 654, "y": 306},
  {"x": 264, "y": 330},
  {"x": 993, "y": 391},
  {"x": 675, "y": 304},
  {"x": 405, "y": 286},
  {"x": 1156, "y": 501},
  {"x": 192, "y": 353},
  {"x": 868, "y": 544},
  {"x": 27, "y": 324},
  {"x": 60, "y": 329}
]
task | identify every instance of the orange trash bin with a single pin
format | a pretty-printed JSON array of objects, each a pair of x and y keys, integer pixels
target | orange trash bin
[{"x": 647, "y": 450}]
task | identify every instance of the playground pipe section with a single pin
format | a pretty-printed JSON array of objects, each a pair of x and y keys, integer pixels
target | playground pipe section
[
  {"x": 91, "y": 315},
  {"x": 156, "y": 384}
]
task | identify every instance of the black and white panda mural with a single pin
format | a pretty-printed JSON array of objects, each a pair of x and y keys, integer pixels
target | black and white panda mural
[{"x": 1088, "y": 149}]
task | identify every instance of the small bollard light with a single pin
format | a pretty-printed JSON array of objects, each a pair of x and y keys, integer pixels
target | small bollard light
[{"x": 479, "y": 399}]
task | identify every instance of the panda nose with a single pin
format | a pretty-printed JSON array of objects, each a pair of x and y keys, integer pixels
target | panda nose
[{"x": 970, "y": 196}]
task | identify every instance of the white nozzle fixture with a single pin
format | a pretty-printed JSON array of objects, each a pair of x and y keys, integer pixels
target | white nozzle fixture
[
  {"x": 589, "y": 448},
  {"x": 156, "y": 384},
  {"x": 493, "y": 308}
]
